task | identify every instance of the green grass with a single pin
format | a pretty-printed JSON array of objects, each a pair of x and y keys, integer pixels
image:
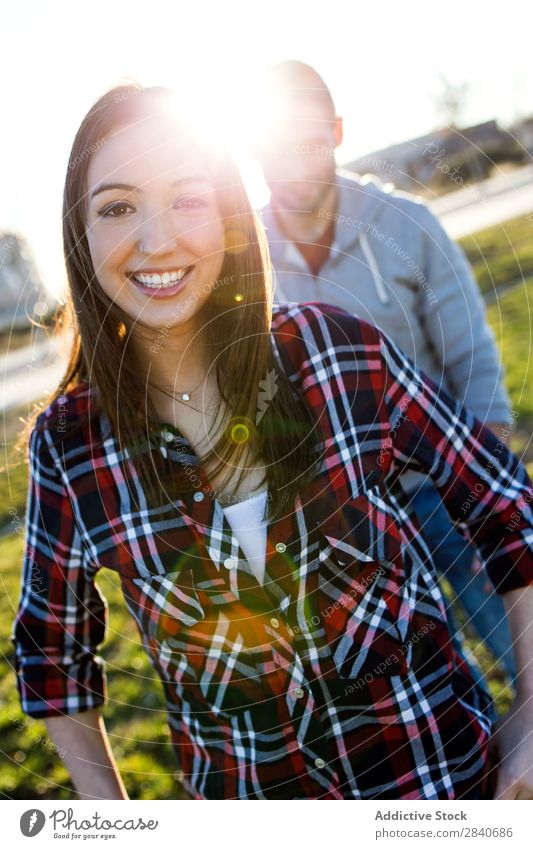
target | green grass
[
  {"x": 501, "y": 254},
  {"x": 13, "y": 486},
  {"x": 135, "y": 716},
  {"x": 510, "y": 318}
]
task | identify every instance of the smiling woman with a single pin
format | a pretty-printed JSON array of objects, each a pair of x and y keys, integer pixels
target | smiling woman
[
  {"x": 182, "y": 297},
  {"x": 300, "y": 635}
]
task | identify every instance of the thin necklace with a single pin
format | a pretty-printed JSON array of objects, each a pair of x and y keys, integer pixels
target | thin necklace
[
  {"x": 186, "y": 396},
  {"x": 181, "y": 396}
]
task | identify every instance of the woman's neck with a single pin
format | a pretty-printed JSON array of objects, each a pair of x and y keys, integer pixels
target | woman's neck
[{"x": 176, "y": 361}]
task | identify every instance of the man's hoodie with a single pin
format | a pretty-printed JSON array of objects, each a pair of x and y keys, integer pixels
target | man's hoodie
[{"x": 393, "y": 264}]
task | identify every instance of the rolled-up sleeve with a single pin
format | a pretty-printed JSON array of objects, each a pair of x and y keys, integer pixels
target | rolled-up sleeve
[
  {"x": 62, "y": 616},
  {"x": 484, "y": 487}
]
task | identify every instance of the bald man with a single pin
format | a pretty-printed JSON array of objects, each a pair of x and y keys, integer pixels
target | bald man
[{"x": 339, "y": 238}]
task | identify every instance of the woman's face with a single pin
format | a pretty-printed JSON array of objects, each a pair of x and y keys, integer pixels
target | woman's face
[{"x": 154, "y": 228}]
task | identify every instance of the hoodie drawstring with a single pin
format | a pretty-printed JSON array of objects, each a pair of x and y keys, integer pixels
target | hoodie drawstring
[{"x": 374, "y": 269}]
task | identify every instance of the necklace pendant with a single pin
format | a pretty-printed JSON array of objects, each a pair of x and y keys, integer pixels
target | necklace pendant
[{"x": 185, "y": 396}]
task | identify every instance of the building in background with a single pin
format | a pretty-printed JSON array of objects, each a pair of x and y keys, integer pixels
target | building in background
[
  {"x": 523, "y": 132},
  {"x": 446, "y": 159}
]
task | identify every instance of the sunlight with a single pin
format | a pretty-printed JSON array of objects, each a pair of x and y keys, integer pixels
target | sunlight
[
  {"x": 229, "y": 121},
  {"x": 219, "y": 119},
  {"x": 381, "y": 101}
]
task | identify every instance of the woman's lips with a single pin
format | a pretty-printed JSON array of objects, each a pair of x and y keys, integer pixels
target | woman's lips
[{"x": 163, "y": 291}]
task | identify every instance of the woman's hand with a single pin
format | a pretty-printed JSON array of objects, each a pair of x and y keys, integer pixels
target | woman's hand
[
  {"x": 513, "y": 738},
  {"x": 88, "y": 756},
  {"x": 513, "y": 733}
]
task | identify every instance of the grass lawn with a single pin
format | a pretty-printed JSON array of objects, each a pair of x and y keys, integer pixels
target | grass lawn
[
  {"x": 135, "y": 717},
  {"x": 510, "y": 316},
  {"x": 502, "y": 254}
]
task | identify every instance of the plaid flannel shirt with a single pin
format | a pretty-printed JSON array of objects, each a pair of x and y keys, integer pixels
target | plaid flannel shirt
[{"x": 336, "y": 678}]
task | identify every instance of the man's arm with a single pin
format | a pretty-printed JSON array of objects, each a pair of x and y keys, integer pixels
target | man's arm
[{"x": 456, "y": 325}]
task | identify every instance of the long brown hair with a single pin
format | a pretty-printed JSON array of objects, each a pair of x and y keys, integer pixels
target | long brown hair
[{"x": 238, "y": 328}]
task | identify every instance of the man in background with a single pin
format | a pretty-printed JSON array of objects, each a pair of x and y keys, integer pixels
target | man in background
[{"x": 339, "y": 238}]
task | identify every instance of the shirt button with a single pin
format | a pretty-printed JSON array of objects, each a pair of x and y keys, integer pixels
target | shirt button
[
  {"x": 281, "y": 547},
  {"x": 198, "y": 496},
  {"x": 230, "y": 563},
  {"x": 319, "y": 763},
  {"x": 274, "y": 622},
  {"x": 299, "y": 693},
  {"x": 168, "y": 436}
]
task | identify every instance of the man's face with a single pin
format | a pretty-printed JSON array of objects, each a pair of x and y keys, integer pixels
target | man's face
[{"x": 298, "y": 158}]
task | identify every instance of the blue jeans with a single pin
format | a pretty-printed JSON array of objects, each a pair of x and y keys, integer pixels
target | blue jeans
[{"x": 453, "y": 557}]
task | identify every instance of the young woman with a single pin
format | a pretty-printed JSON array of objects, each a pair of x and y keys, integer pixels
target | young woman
[{"x": 238, "y": 465}]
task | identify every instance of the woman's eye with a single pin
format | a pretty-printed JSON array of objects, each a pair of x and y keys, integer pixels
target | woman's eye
[
  {"x": 115, "y": 210},
  {"x": 190, "y": 203},
  {"x": 120, "y": 208}
]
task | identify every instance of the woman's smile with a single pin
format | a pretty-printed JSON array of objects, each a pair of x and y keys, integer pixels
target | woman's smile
[{"x": 161, "y": 284}]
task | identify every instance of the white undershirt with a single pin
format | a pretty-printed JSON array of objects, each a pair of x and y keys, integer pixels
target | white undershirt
[{"x": 246, "y": 520}]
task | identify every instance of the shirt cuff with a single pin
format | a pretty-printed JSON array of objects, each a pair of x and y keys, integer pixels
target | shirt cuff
[{"x": 48, "y": 688}]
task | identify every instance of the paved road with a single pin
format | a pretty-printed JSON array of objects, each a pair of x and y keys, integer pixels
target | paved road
[
  {"x": 485, "y": 204},
  {"x": 30, "y": 373}
]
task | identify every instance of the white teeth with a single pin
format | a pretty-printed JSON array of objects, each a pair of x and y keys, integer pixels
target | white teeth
[{"x": 160, "y": 281}]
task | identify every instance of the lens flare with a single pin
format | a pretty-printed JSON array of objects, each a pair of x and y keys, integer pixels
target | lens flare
[{"x": 240, "y": 433}]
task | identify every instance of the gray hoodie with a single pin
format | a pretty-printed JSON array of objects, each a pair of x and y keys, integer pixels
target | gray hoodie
[{"x": 392, "y": 263}]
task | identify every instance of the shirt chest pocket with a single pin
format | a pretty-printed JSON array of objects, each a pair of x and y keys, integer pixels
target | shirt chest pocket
[
  {"x": 360, "y": 603},
  {"x": 163, "y": 604},
  {"x": 361, "y": 632}
]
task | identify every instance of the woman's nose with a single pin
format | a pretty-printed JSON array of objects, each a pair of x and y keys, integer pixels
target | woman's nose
[{"x": 158, "y": 234}]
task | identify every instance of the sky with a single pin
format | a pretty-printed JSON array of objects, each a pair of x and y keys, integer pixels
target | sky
[{"x": 383, "y": 62}]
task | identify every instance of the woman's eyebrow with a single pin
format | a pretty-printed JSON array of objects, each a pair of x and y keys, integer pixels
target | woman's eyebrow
[{"x": 105, "y": 187}]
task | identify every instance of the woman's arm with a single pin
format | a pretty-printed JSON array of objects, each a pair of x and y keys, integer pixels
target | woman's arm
[
  {"x": 60, "y": 624},
  {"x": 88, "y": 755},
  {"x": 485, "y": 489},
  {"x": 489, "y": 496}
]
